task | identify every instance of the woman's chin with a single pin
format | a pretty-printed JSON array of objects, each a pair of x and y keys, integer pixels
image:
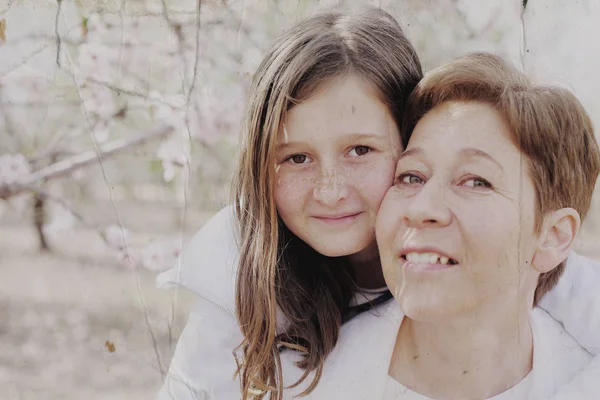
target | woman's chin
[{"x": 427, "y": 308}]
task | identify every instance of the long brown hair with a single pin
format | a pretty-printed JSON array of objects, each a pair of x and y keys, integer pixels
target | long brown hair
[
  {"x": 549, "y": 125},
  {"x": 277, "y": 270}
]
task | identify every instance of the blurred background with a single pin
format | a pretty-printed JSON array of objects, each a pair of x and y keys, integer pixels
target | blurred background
[{"x": 88, "y": 91}]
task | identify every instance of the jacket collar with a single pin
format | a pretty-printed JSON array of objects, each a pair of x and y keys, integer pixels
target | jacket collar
[{"x": 358, "y": 366}]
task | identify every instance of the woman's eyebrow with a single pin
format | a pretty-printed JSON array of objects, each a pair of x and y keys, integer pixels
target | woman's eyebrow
[
  {"x": 471, "y": 152},
  {"x": 411, "y": 153},
  {"x": 467, "y": 153}
]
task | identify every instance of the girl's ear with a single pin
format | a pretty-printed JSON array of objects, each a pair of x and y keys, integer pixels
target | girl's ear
[{"x": 557, "y": 235}]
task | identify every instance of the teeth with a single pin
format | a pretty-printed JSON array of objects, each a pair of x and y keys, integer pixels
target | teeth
[{"x": 426, "y": 258}]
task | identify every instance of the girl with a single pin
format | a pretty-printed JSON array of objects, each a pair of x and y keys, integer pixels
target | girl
[{"x": 295, "y": 257}]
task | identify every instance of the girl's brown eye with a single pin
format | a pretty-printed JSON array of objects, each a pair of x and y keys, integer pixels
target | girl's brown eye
[
  {"x": 361, "y": 150},
  {"x": 298, "y": 158}
]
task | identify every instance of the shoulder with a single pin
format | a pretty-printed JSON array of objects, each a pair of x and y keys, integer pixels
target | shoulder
[
  {"x": 208, "y": 265},
  {"x": 557, "y": 356},
  {"x": 549, "y": 331}
]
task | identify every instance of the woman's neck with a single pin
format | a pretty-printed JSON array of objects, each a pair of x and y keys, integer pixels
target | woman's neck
[
  {"x": 367, "y": 268},
  {"x": 476, "y": 357}
]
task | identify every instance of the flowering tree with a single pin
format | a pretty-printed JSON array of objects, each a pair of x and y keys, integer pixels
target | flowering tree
[
  {"x": 167, "y": 81},
  {"x": 117, "y": 81}
]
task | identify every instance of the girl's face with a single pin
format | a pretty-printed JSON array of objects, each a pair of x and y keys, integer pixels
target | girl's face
[
  {"x": 335, "y": 160},
  {"x": 456, "y": 232}
]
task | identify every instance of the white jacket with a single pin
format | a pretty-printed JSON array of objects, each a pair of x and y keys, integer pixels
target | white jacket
[{"x": 203, "y": 364}]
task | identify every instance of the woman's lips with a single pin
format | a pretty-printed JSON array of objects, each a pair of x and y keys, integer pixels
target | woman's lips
[
  {"x": 339, "y": 219},
  {"x": 419, "y": 267},
  {"x": 427, "y": 259}
]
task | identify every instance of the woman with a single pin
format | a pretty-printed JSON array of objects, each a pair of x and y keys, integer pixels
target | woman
[
  {"x": 283, "y": 270},
  {"x": 488, "y": 197}
]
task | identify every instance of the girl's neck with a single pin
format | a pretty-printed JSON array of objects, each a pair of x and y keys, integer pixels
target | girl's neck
[
  {"x": 476, "y": 357},
  {"x": 367, "y": 268}
]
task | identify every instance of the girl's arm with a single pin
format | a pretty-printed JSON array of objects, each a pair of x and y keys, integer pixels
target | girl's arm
[{"x": 203, "y": 365}]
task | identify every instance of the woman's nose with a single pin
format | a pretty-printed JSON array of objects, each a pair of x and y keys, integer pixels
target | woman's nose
[{"x": 429, "y": 207}]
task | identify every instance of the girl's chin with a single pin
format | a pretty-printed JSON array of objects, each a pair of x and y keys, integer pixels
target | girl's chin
[{"x": 343, "y": 245}]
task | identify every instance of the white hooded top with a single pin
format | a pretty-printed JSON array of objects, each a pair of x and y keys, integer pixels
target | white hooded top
[{"x": 203, "y": 365}]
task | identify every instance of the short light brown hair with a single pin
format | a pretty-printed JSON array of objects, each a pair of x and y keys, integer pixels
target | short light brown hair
[{"x": 549, "y": 126}]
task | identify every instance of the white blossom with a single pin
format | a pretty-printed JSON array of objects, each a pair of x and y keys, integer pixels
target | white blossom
[
  {"x": 14, "y": 168},
  {"x": 173, "y": 154},
  {"x": 61, "y": 220},
  {"x": 117, "y": 237}
]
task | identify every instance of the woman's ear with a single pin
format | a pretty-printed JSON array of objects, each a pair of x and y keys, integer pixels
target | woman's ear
[{"x": 557, "y": 235}]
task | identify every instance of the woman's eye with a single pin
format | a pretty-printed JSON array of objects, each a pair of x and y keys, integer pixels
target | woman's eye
[
  {"x": 360, "y": 150},
  {"x": 409, "y": 179},
  {"x": 297, "y": 159},
  {"x": 477, "y": 183}
]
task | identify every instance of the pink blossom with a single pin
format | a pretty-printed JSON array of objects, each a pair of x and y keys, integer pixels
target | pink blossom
[
  {"x": 98, "y": 101},
  {"x": 160, "y": 255},
  {"x": 128, "y": 258}
]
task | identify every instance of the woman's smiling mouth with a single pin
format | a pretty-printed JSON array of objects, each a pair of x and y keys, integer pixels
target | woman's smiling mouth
[{"x": 427, "y": 260}]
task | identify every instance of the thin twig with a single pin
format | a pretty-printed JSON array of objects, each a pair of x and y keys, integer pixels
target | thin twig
[
  {"x": 128, "y": 91},
  {"x": 56, "y": 32},
  {"x": 524, "y": 35}
]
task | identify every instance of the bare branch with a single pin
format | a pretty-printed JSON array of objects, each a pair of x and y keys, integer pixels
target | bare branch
[
  {"x": 44, "y": 194},
  {"x": 7, "y": 8},
  {"x": 56, "y": 32},
  {"x": 524, "y": 35},
  {"x": 71, "y": 164}
]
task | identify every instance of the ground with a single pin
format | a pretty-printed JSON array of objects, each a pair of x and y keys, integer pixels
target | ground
[
  {"x": 73, "y": 322},
  {"x": 74, "y": 326}
]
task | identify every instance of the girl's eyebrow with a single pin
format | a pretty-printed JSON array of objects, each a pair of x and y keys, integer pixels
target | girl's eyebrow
[
  {"x": 351, "y": 136},
  {"x": 287, "y": 145},
  {"x": 364, "y": 136}
]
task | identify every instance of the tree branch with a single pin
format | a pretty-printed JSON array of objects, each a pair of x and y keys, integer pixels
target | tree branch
[
  {"x": 57, "y": 34},
  {"x": 84, "y": 159}
]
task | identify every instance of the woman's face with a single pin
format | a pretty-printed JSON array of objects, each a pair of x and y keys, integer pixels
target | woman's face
[
  {"x": 335, "y": 160},
  {"x": 456, "y": 231}
]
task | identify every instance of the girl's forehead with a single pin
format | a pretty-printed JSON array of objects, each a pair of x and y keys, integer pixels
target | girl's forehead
[{"x": 344, "y": 106}]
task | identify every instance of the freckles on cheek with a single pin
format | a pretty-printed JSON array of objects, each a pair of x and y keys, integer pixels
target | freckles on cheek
[{"x": 289, "y": 186}]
